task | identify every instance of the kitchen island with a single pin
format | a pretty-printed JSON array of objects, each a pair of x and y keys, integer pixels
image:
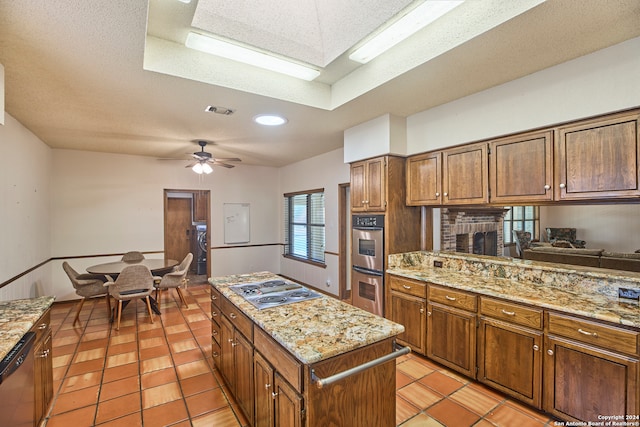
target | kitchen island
[
  {"x": 309, "y": 363},
  {"x": 17, "y": 317}
]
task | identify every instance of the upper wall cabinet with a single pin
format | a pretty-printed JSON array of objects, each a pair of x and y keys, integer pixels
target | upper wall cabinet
[
  {"x": 464, "y": 175},
  {"x": 598, "y": 158},
  {"x": 368, "y": 185},
  {"x": 521, "y": 168},
  {"x": 424, "y": 183}
]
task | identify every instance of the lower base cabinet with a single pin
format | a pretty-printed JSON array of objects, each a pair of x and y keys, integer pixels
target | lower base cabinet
[
  {"x": 451, "y": 338},
  {"x": 277, "y": 403},
  {"x": 43, "y": 367}
]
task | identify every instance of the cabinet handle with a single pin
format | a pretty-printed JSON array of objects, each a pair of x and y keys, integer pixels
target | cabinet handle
[
  {"x": 535, "y": 347},
  {"x": 214, "y": 314},
  {"x": 406, "y": 287},
  {"x": 214, "y": 333},
  {"x": 232, "y": 315},
  {"x": 233, "y": 344},
  {"x": 550, "y": 352},
  {"x": 44, "y": 354},
  {"x": 215, "y": 354},
  {"x": 562, "y": 185},
  {"x": 508, "y": 313},
  {"x": 213, "y": 297},
  {"x": 437, "y": 194},
  {"x": 229, "y": 339},
  {"x": 42, "y": 326},
  {"x": 273, "y": 395},
  {"x": 267, "y": 386},
  {"x": 450, "y": 298},
  {"x": 590, "y": 334}
]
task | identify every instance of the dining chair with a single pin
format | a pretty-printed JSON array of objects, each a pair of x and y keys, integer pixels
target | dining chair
[
  {"x": 134, "y": 282},
  {"x": 86, "y": 286},
  {"x": 133, "y": 256},
  {"x": 175, "y": 279}
]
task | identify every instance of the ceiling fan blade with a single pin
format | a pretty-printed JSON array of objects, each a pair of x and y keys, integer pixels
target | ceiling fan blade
[
  {"x": 225, "y": 165},
  {"x": 228, "y": 159},
  {"x": 191, "y": 165}
]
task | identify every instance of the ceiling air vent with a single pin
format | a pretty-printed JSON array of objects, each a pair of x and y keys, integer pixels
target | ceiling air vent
[{"x": 219, "y": 110}]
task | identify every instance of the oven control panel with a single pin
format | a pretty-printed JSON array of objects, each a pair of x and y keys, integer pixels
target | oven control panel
[{"x": 368, "y": 221}]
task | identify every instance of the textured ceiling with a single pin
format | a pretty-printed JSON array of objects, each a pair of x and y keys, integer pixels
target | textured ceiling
[{"x": 114, "y": 76}]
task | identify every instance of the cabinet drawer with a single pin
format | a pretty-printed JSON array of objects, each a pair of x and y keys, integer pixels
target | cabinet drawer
[
  {"x": 410, "y": 287},
  {"x": 42, "y": 325},
  {"x": 512, "y": 313},
  {"x": 288, "y": 367},
  {"x": 216, "y": 353},
  {"x": 599, "y": 334},
  {"x": 215, "y": 331},
  {"x": 453, "y": 298},
  {"x": 215, "y": 312},
  {"x": 215, "y": 295},
  {"x": 237, "y": 318}
]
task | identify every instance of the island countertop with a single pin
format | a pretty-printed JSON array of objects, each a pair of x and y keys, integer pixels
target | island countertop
[
  {"x": 17, "y": 317},
  {"x": 311, "y": 330}
]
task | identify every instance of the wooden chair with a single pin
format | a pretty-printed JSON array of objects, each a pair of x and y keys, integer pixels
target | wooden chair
[
  {"x": 134, "y": 282},
  {"x": 133, "y": 256},
  {"x": 175, "y": 279},
  {"x": 86, "y": 286}
]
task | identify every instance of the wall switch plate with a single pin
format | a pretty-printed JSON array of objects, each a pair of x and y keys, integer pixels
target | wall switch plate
[
  {"x": 437, "y": 264},
  {"x": 629, "y": 293}
]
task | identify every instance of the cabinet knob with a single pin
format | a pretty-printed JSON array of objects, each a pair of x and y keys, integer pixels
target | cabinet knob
[
  {"x": 550, "y": 352},
  {"x": 214, "y": 333},
  {"x": 535, "y": 347},
  {"x": 562, "y": 185},
  {"x": 446, "y": 194},
  {"x": 215, "y": 354},
  {"x": 233, "y": 344},
  {"x": 421, "y": 310},
  {"x": 229, "y": 339},
  {"x": 44, "y": 354},
  {"x": 273, "y": 395},
  {"x": 42, "y": 326},
  {"x": 214, "y": 314},
  {"x": 437, "y": 194},
  {"x": 267, "y": 386},
  {"x": 363, "y": 202},
  {"x": 547, "y": 187},
  {"x": 213, "y": 297},
  {"x": 232, "y": 315},
  {"x": 428, "y": 313}
]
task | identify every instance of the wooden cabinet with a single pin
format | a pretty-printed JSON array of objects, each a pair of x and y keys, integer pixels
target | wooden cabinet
[
  {"x": 510, "y": 349},
  {"x": 264, "y": 382},
  {"x": 43, "y": 366},
  {"x": 368, "y": 185},
  {"x": 408, "y": 308},
  {"x": 597, "y": 362},
  {"x": 451, "y": 329},
  {"x": 465, "y": 175},
  {"x": 216, "y": 313},
  {"x": 521, "y": 168},
  {"x": 424, "y": 179},
  {"x": 598, "y": 158}
]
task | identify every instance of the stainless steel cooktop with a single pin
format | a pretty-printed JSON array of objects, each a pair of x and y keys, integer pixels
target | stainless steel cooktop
[{"x": 273, "y": 293}]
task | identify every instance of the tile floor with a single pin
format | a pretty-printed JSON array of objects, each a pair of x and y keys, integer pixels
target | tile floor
[{"x": 161, "y": 374}]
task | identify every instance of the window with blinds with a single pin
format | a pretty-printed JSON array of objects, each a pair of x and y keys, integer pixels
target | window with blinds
[
  {"x": 304, "y": 225},
  {"x": 525, "y": 218}
]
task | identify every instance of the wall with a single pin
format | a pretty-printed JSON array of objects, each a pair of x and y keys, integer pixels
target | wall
[
  {"x": 25, "y": 171},
  {"x": 383, "y": 135},
  {"x": 325, "y": 171}
]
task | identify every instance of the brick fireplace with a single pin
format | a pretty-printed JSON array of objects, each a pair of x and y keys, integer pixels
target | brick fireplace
[{"x": 473, "y": 230}]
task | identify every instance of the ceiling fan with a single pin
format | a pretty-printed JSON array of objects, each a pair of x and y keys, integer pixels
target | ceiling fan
[{"x": 204, "y": 160}]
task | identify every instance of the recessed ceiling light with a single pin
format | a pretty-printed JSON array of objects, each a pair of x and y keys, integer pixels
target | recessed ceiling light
[
  {"x": 269, "y": 119},
  {"x": 219, "y": 110}
]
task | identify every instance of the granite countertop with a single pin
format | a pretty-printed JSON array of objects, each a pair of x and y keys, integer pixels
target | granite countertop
[
  {"x": 594, "y": 305},
  {"x": 311, "y": 330},
  {"x": 17, "y": 317}
]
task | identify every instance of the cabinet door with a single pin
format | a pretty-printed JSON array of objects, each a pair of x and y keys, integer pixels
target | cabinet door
[
  {"x": 521, "y": 168},
  {"x": 43, "y": 369},
  {"x": 465, "y": 175},
  {"x": 263, "y": 380},
  {"x": 244, "y": 390},
  {"x": 376, "y": 184},
  {"x": 409, "y": 311},
  {"x": 451, "y": 338},
  {"x": 582, "y": 382},
  {"x": 288, "y": 404},
  {"x": 510, "y": 360},
  {"x": 424, "y": 173},
  {"x": 226, "y": 352},
  {"x": 598, "y": 158},
  {"x": 358, "y": 189}
]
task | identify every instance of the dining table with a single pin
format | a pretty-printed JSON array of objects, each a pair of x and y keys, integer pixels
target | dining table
[{"x": 157, "y": 266}]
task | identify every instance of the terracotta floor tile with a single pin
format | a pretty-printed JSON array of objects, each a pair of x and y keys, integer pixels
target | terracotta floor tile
[
  {"x": 179, "y": 336},
  {"x": 506, "y": 416},
  {"x": 79, "y": 382},
  {"x": 441, "y": 383},
  {"x": 196, "y": 317},
  {"x": 152, "y": 342},
  {"x": 119, "y": 372},
  {"x": 421, "y": 420},
  {"x": 89, "y": 345},
  {"x": 62, "y": 360},
  {"x": 118, "y": 407},
  {"x": 450, "y": 413},
  {"x": 419, "y": 395},
  {"x": 207, "y": 401},
  {"x": 153, "y": 352},
  {"x": 66, "y": 402},
  {"x": 169, "y": 413},
  {"x": 192, "y": 369},
  {"x": 475, "y": 400},
  {"x": 188, "y": 356},
  {"x": 487, "y": 391},
  {"x": 414, "y": 369},
  {"x": 83, "y": 356},
  {"x": 66, "y": 340},
  {"x": 404, "y": 410},
  {"x": 59, "y": 373},
  {"x": 402, "y": 379},
  {"x": 155, "y": 364},
  {"x": 174, "y": 329},
  {"x": 222, "y": 418},
  {"x": 180, "y": 346},
  {"x": 121, "y": 338},
  {"x": 529, "y": 411},
  {"x": 126, "y": 347},
  {"x": 160, "y": 377},
  {"x": 82, "y": 417},
  {"x": 63, "y": 350},
  {"x": 160, "y": 395},
  {"x": 131, "y": 420},
  {"x": 84, "y": 367},
  {"x": 150, "y": 333},
  {"x": 198, "y": 384},
  {"x": 121, "y": 359},
  {"x": 94, "y": 336},
  {"x": 118, "y": 388}
]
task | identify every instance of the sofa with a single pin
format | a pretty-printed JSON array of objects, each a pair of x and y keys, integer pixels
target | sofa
[{"x": 586, "y": 257}]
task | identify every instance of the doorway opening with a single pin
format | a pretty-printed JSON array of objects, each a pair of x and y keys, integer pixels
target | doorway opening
[
  {"x": 344, "y": 224},
  {"x": 187, "y": 218}
]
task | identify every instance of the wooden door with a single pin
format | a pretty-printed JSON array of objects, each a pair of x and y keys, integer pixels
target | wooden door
[
  {"x": 451, "y": 338},
  {"x": 409, "y": 311},
  {"x": 43, "y": 373},
  {"x": 358, "y": 193},
  {"x": 376, "y": 185},
  {"x": 521, "y": 168},
  {"x": 465, "y": 175},
  {"x": 264, "y": 402},
  {"x": 582, "y": 382},
  {"x": 288, "y": 404},
  {"x": 599, "y": 158},
  {"x": 510, "y": 360},
  {"x": 243, "y": 360},
  {"x": 226, "y": 353},
  {"x": 177, "y": 233},
  {"x": 424, "y": 176}
]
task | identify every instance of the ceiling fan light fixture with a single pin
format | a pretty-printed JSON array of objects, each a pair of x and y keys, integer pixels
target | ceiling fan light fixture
[
  {"x": 270, "y": 120},
  {"x": 197, "y": 168},
  {"x": 206, "y": 168},
  {"x": 237, "y": 53},
  {"x": 404, "y": 27}
]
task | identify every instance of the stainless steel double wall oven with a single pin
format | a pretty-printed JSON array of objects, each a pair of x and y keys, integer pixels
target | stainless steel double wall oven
[{"x": 367, "y": 258}]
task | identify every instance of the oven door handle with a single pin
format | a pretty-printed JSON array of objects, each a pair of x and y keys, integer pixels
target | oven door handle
[
  {"x": 369, "y": 228},
  {"x": 366, "y": 271}
]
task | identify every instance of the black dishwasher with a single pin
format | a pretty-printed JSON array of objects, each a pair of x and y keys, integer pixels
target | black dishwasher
[{"x": 17, "y": 385}]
